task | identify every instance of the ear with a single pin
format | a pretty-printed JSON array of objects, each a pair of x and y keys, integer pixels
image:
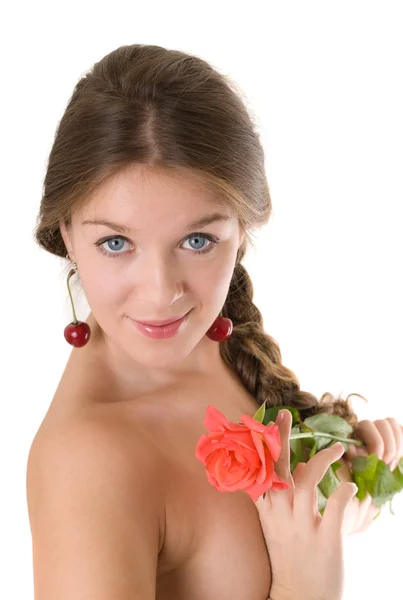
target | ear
[{"x": 65, "y": 232}]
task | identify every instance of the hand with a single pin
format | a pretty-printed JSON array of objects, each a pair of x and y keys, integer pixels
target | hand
[
  {"x": 304, "y": 547},
  {"x": 385, "y": 439},
  {"x": 359, "y": 514}
]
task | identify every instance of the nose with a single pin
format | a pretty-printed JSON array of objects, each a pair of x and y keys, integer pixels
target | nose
[{"x": 159, "y": 283}]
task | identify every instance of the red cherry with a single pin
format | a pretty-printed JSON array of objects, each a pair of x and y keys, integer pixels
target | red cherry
[
  {"x": 220, "y": 330},
  {"x": 77, "y": 334}
]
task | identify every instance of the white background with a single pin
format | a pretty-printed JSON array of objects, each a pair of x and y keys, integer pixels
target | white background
[{"x": 324, "y": 81}]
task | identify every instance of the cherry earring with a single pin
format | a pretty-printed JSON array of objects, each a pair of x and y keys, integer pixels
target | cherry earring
[
  {"x": 76, "y": 333},
  {"x": 220, "y": 330}
]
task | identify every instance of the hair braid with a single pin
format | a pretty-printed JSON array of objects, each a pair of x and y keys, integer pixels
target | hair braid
[{"x": 256, "y": 357}]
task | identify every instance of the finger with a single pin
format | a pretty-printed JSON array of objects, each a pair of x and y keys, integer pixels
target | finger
[
  {"x": 282, "y": 466},
  {"x": 398, "y": 433},
  {"x": 388, "y": 437},
  {"x": 313, "y": 509},
  {"x": 371, "y": 436},
  {"x": 359, "y": 515},
  {"x": 298, "y": 472},
  {"x": 365, "y": 513},
  {"x": 356, "y": 513},
  {"x": 305, "y": 493},
  {"x": 351, "y": 453},
  {"x": 372, "y": 512},
  {"x": 334, "y": 513},
  {"x": 354, "y": 451}
]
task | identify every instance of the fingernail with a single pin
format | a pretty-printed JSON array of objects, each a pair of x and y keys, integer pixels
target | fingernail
[{"x": 282, "y": 413}]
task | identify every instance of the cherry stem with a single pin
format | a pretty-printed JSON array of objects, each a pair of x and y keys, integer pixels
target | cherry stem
[{"x": 72, "y": 271}]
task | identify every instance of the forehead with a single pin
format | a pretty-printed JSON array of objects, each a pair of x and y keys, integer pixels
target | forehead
[{"x": 138, "y": 191}]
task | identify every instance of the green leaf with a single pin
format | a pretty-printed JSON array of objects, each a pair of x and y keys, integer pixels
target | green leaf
[
  {"x": 272, "y": 412},
  {"x": 313, "y": 449},
  {"x": 329, "y": 424},
  {"x": 398, "y": 472},
  {"x": 332, "y": 424},
  {"x": 363, "y": 473},
  {"x": 327, "y": 485},
  {"x": 330, "y": 482},
  {"x": 297, "y": 453},
  {"x": 372, "y": 475},
  {"x": 259, "y": 415},
  {"x": 322, "y": 500},
  {"x": 300, "y": 449}
]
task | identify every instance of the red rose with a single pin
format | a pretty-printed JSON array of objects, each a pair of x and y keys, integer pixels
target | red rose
[{"x": 240, "y": 456}]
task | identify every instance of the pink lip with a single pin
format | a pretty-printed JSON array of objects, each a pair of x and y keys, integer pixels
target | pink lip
[
  {"x": 160, "y": 323},
  {"x": 162, "y": 331}
]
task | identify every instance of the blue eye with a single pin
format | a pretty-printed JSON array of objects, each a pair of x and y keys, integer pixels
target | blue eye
[
  {"x": 115, "y": 247},
  {"x": 199, "y": 237}
]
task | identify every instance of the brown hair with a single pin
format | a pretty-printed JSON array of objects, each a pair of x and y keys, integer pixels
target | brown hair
[{"x": 145, "y": 104}]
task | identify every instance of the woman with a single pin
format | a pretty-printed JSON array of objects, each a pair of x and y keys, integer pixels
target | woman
[{"x": 154, "y": 185}]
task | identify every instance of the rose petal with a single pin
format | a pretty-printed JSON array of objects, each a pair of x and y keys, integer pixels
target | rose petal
[
  {"x": 270, "y": 433},
  {"x": 241, "y": 437},
  {"x": 277, "y": 484},
  {"x": 214, "y": 419},
  {"x": 239, "y": 456},
  {"x": 262, "y": 474},
  {"x": 206, "y": 444},
  {"x": 273, "y": 442},
  {"x": 252, "y": 424}
]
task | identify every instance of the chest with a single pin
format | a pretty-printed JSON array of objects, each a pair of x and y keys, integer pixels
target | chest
[{"x": 214, "y": 546}]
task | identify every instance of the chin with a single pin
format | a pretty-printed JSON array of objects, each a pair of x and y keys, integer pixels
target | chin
[{"x": 162, "y": 360}]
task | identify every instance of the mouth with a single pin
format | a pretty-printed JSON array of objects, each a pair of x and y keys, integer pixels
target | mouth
[
  {"x": 160, "y": 332},
  {"x": 161, "y": 323}
]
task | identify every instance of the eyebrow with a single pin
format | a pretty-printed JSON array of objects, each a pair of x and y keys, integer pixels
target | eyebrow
[{"x": 203, "y": 222}]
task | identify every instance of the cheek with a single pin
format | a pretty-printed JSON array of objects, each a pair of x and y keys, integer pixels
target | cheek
[
  {"x": 102, "y": 288},
  {"x": 210, "y": 287},
  {"x": 214, "y": 277}
]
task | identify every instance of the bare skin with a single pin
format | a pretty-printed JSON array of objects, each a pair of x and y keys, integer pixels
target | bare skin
[{"x": 212, "y": 543}]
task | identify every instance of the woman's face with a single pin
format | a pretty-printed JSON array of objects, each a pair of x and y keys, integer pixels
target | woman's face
[{"x": 153, "y": 264}]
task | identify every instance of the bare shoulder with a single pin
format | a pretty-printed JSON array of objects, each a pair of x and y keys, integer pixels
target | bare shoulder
[
  {"x": 92, "y": 501},
  {"x": 101, "y": 442}
]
